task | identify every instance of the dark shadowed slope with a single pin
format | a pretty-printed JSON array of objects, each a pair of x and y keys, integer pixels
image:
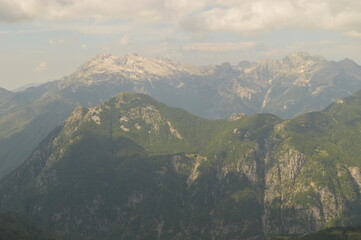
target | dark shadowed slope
[
  {"x": 16, "y": 227},
  {"x": 134, "y": 168},
  {"x": 296, "y": 84}
]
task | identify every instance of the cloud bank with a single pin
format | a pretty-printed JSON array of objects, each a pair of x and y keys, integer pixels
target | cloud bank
[
  {"x": 219, "y": 47},
  {"x": 244, "y": 16},
  {"x": 263, "y": 15}
]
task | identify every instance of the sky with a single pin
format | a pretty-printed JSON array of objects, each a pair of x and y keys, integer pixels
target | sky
[{"x": 44, "y": 40}]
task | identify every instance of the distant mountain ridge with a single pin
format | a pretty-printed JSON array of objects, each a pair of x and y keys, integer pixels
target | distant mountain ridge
[
  {"x": 134, "y": 168},
  {"x": 26, "y": 86},
  {"x": 296, "y": 84},
  {"x": 4, "y": 95},
  {"x": 133, "y": 66}
]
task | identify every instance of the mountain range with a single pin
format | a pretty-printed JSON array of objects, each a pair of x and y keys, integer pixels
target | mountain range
[
  {"x": 134, "y": 168},
  {"x": 296, "y": 84}
]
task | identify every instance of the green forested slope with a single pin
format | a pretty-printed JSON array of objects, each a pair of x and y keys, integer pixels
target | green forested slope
[
  {"x": 288, "y": 87},
  {"x": 16, "y": 227},
  {"x": 133, "y": 168}
]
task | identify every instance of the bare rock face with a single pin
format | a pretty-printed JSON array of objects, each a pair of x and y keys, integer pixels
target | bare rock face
[
  {"x": 286, "y": 87},
  {"x": 136, "y": 168},
  {"x": 131, "y": 66},
  {"x": 356, "y": 175},
  {"x": 236, "y": 116},
  {"x": 297, "y": 200}
]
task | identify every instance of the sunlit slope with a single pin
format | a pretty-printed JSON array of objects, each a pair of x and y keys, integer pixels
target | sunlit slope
[{"x": 133, "y": 168}]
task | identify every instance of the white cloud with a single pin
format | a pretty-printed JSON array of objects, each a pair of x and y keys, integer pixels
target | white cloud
[
  {"x": 41, "y": 67},
  {"x": 146, "y": 11},
  {"x": 264, "y": 15},
  {"x": 219, "y": 46},
  {"x": 245, "y": 16},
  {"x": 13, "y": 11},
  {"x": 355, "y": 34},
  {"x": 96, "y": 28},
  {"x": 57, "y": 41}
]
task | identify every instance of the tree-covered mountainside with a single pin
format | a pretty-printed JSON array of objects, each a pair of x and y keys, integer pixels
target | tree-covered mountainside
[
  {"x": 134, "y": 168},
  {"x": 16, "y": 227},
  {"x": 334, "y": 233},
  {"x": 296, "y": 84},
  {"x": 26, "y": 118}
]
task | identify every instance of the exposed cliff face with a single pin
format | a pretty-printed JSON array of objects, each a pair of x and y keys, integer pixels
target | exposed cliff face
[
  {"x": 287, "y": 87},
  {"x": 134, "y": 168}
]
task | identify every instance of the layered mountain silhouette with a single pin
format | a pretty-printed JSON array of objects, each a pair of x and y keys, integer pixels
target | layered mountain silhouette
[
  {"x": 134, "y": 168},
  {"x": 288, "y": 87}
]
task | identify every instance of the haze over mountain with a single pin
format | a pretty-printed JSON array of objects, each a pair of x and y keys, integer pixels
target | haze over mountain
[
  {"x": 296, "y": 84},
  {"x": 41, "y": 42},
  {"x": 306, "y": 82},
  {"x": 26, "y": 86},
  {"x": 134, "y": 168},
  {"x": 4, "y": 95},
  {"x": 180, "y": 120}
]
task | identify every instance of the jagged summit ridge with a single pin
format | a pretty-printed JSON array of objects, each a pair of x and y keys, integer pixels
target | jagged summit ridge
[
  {"x": 246, "y": 80},
  {"x": 136, "y": 67},
  {"x": 298, "y": 68},
  {"x": 133, "y": 66},
  {"x": 286, "y": 87},
  {"x": 296, "y": 62},
  {"x": 303, "y": 55}
]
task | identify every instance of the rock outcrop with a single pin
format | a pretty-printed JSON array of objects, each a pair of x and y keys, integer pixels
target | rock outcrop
[{"x": 135, "y": 168}]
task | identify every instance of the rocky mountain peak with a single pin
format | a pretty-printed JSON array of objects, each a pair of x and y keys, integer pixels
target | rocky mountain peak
[
  {"x": 131, "y": 54},
  {"x": 300, "y": 54},
  {"x": 130, "y": 99},
  {"x": 246, "y": 64},
  {"x": 236, "y": 116},
  {"x": 348, "y": 62},
  {"x": 131, "y": 152},
  {"x": 297, "y": 59},
  {"x": 102, "y": 56},
  {"x": 294, "y": 63},
  {"x": 132, "y": 66}
]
